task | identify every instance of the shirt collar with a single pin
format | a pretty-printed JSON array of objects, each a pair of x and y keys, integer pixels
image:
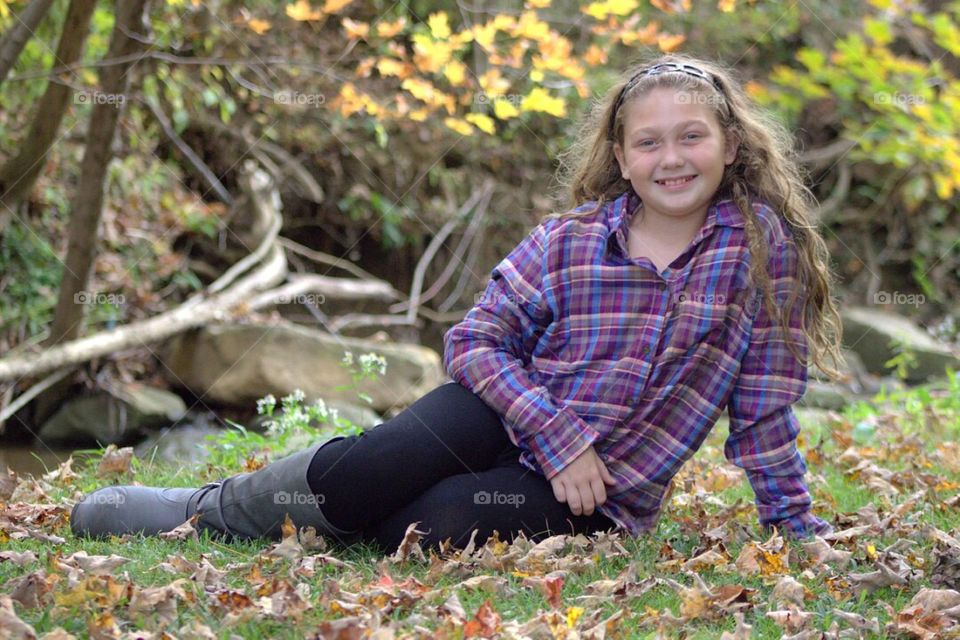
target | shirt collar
[{"x": 620, "y": 211}]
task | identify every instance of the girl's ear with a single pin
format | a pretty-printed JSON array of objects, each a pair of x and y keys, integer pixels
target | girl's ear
[{"x": 731, "y": 146}]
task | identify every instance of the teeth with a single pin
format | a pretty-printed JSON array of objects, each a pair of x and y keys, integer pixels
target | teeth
[{"x": 675, "y": 182}]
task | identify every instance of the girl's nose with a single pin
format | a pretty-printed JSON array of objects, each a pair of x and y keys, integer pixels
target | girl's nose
[{"x": 671, "y": 156}]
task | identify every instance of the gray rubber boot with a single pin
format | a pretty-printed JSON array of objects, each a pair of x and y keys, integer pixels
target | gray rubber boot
[{"x": 244, "y": 506}]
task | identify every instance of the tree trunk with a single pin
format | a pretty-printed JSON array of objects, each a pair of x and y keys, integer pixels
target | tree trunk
[
  {"x": 127, "y": 39},
  {"x": 20, "y": 172},
  {"x": 23, "y": 27}
]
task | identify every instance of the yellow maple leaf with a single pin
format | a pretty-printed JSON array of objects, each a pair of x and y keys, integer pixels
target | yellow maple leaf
[
  {"x": 460, "y": 126},
  {"x": 333, "y": 6},
  {"x": 727, "y": 6},
  {"x": 504, "y": 109},
  {"x": 302, "y": 12},
  {"x": 532, "y": 27},
  {"x": 439, "y": 25},
  {"x": 538, "y": 4},
  {"x": 482, "y": 122},
  {"x": 258, "y": 26},
  {"x": 356, "y": 29},
  {"x": 668, "y": 43},
  {"x": 671, "y": 6},
  {"x": 484, "y": 34},
  {"x": 456, "y": 72},
  {"x": 573, "y": 614},
  {"x": 390, "y": 29},
  {"x": 594, "y": 55},
  {"x": 602, "y": 10},
  {"x": 431, "y": 55},
  {"x": 391, "y": 67},
  {"x": 539, "y": 100}
]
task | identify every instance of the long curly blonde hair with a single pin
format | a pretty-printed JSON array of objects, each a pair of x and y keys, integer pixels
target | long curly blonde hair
[{"x": 765, "y": 168}]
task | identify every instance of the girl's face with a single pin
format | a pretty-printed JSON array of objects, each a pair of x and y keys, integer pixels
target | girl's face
[{"x": 674, "y": 152}]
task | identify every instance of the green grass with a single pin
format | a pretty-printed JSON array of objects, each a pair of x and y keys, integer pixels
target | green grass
[{"x": 837, "y": 496}]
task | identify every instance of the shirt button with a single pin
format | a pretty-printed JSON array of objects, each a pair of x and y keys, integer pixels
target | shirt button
[{"x": 645, "y": 350}]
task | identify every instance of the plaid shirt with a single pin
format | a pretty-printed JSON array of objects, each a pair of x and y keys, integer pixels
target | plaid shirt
[{"x": 575, "y": 344}]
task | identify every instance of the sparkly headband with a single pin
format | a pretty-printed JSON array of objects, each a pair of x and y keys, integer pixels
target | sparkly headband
[{"x": 666, "y": 67}]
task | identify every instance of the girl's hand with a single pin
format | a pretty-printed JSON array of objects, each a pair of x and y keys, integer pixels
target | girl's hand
[{"x": 581, "y": 483}]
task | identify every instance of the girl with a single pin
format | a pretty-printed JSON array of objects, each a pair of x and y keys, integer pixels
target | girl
[{"x": 686, "y": 278}]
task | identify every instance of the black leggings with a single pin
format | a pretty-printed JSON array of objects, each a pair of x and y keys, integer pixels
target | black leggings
[{"x": 446, "y": 462}]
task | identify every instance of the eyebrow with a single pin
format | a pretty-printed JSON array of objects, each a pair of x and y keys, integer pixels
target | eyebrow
[{"x": 679, "y": 125}]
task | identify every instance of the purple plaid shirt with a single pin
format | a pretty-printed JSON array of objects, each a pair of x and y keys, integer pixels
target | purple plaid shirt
[{"x": 574, "y": 344}]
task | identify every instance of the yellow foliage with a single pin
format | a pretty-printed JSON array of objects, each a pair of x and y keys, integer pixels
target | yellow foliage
[
  {"x": 482, "y": 122},
  {"x": 439, "y": 24},
  {"x": 493, "y": 83},
  {"x": 390, "y": 29},
  {"x": 391, "y": 67},
  {"x": 573, "y": 614},
  {"x": 539, "y": 100},
  {"x": 333, "y": 6},
  {"x": 595, "y": 55},
  {"x": 668, "y": 43},
  {"x": 354, "y": 29},
  {"x": 672, "y": 6},
  {"x": 258, "y": 26},
  {"x": 532, "y": 27},
  {"x": 456, "y": 72},
  {"x": 601, "y": 10},
  {"x": 425, "y": 92},
  {"x": 727, "y": 6},
  {"x": 504, "y": 110},
  {"x": 431, "y": 55},
  {"x": 484, "y": 34},
  {"x": 302, "y": 12}
]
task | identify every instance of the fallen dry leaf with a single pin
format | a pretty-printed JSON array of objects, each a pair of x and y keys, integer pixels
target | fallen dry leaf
[{"x": 115, "y": 461}]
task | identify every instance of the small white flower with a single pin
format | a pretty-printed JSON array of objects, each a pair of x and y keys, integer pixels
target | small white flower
[
  {"x": 321, "y": 407},
  {"x": 297, "y": 396},
  {"x": 265, "y": 404},
  {"x": 347, "y": 358}
]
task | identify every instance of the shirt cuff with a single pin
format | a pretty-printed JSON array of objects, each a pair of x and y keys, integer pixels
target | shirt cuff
[
  {"x": 561, "y": 441},
  {"x": 801, "y": 526}
]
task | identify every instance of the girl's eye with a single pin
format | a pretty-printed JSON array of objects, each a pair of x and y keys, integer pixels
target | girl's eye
[
  {"x": 692, "y": 136},
  {"x": 646, "y": 143}
]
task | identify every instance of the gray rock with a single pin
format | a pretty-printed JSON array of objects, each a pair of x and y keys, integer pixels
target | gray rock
[
  {"x": 116, "y": 416},
  {"x": 870, "y": 332},
  {"x": 238, "y": 364},
  {"x": 182, "y": 445},
  {"x": 825, "y": 395}
]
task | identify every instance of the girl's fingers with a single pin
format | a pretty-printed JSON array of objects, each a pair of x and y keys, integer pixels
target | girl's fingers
[
  {"x": 558, "y": 491},
  {"x": 574, "y": 500},
  {"x": 599, "y": 491},
  {"x": 586, "y": 501},
  {"x": 605, "y": 473}
]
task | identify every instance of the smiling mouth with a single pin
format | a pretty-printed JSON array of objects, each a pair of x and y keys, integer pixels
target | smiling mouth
[{"x": 675, "y": 182}]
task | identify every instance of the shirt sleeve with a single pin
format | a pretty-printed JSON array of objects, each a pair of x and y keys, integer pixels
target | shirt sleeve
[
  {"x": 763, "y": 426},
  {"x": 487, "y": 351}
]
